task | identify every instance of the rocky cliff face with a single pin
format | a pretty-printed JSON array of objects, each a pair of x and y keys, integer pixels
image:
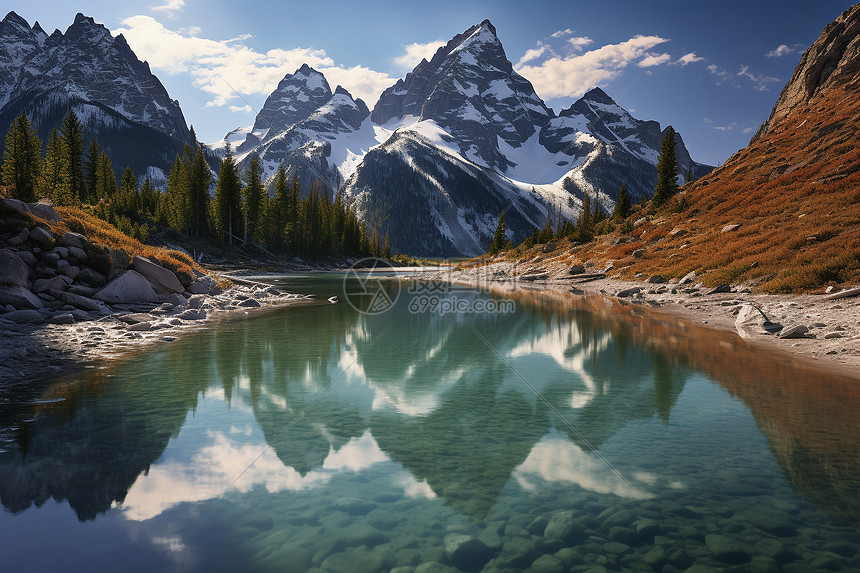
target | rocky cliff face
[
  {"x": 116, "y": 97},
  {"x": 831, "y": 62}
]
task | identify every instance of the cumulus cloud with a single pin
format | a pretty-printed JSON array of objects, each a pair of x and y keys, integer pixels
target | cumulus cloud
[
  {"x": 226, "y": 68},
  {"x": 560, "y": 33},
  {"x": 170, "y": 8},
  {"x": 579, "y": 42},
  {"x": 414, "y": 53},
  {"x": 652, "y": 60},
  {"x": 533, "y": 54},
  {"x": 779, "y": 51},
  {"x": 760, "y": 81},
  {"x": 573, "y": 75},
  {"x": 689, "y": 59}
]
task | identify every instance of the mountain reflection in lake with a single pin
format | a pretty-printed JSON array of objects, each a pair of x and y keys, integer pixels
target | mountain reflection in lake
[{"x": 573, "y": 433}]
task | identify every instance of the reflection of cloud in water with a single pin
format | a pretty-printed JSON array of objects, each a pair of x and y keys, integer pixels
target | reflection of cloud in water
[
  {"x": 210, "y": 471},
  {"x": 556, "y": 459},
  {"x": 414, "y": 488},
  {"x": 565, "y": 345}
]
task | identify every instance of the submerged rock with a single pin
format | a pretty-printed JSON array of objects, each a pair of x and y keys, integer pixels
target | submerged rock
[{"x": 466, "y": 552}]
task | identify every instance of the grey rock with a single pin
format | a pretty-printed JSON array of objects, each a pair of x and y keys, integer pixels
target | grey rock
[
  {"x": 135, "y": 318},
  {"x": 196, "y": 301},
  {"x": 20, "y": 238},
  {"x": 58, "y": 282},
  {"x": 72, "y": 272},
  {"x": 638, "y": 253},
  {"x": 794, "y": 332},
  {"x": 90, "y": 277},
  {"x": 721, "y": 289},
  {"x": 41, "y": 237},
  {"x": 201, "y": 286},
  {"x": 63, "y": 318},
  {"x": 13, "y": 270},
  {"x": 128, "y": 288},
  {"x": 726, "y": 549},
  {"x": 688, "y": 278},
  {"x": 78, "y": 254},
  {"x": 82, "y": 302},
  {"x": 25, "y": 316},
  {"x": 466, "y": 552},
  {"x": 628, "y": 292},
  {"x": 576, "y": 270},
  {"x": 28, "y": 257},
  {"x": 163, "y": 280},
  {"x": 42, "y": 210},
  {"x": 249, "y": 303},
  {"x": 561, "y": 525},
  {"x": 176, "y": 300},
  {"x": 192, "y": 314},
  {"x": 61, "y": 252},
  {"x": 140, "y": 327},
  {"x": 656, "y": 279},
  {"x": 19, "y": 297},
  {"x": 71, "y": 239}
]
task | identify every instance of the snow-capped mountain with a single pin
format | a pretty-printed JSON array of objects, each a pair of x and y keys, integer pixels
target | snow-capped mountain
[
  {"x": 116, "y": 97},
  {"x": 459, "y": 139}
]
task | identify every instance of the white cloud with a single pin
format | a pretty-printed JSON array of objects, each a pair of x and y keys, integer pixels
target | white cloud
[
  {"x": 170, "y": 8},
  {"x": 218, "y": 67},
  {"x": 779, "y": 51},
  {"x": 533, "y": 54},
  {"x": 573, "y": 75},
  {"x": 652, "y": 60},
  {"x": 728, "y": 127},
  {"x": 560, "y": 33},
  {"x": 689, "y": 59},
  {"x": 414, "y": 53},
  {"x": 761, "y": 81},
  {"x": 748, "y": 130},
  {"x": 579, "y": 42},
  {"x": 241, "y": 108}
]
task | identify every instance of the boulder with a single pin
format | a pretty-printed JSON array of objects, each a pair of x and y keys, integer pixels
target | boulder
[
  {"x": 249, "y": 303},
  {"x": 720, "y": 289},
  {"x": 119, "y": 261},
  {"x": 19, "y": 297},
  {"x": 195, "y": 301},
  {"x": 58, "y": 282},
  {"x": 192, "y": 314},
  {"x": 13, "y": 271},
  {"x": 201, "y": 286},
  {"x": 576, "y": 270},
  {"x": 25, "y": 316},
  {"x": 43, "y": 209},
  {"x": 63, "y": 318},
  {"x": 656, "y": 279},
  {"x": 73, "y": 240},
  {"x": 80, "y": 301},
  {"x": 41, "y": 237},
  {"x": 163, "y": 280},
  {"x": 28, "y": 258},
  {"x": 90, "y": 277},
  {"x": 128, "y": 288},
  {"x": 77, "y": 253},
  {"x": 20, "y": 238},
  {"x": 176, "y": 300},
  {"x": 628, "y": 292},
  {"x": 799, "y": 331},
  {"x": 466, "y": 552}
]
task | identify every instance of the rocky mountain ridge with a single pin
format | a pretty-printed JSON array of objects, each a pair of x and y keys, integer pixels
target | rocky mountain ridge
[
  {"x": 98, "y": 76},
  {"x": 485, "y": 139}
]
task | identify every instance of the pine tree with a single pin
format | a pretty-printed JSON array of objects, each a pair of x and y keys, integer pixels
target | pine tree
[
  {"x": 22, "y": 159},
  {"x": 622, "y": 206},
  {"x": 178, "y": 200},
  {"x": 499, "y": 240},
  {"x": 198, "y": 182},
  {"x": 667, "y": 170},
  {"x": 105, "y": 179},
  {"x": 585, "y": 224},
  {"x": 386, "y": 247},
  {"x": 73, "y": 151},
  {"x": 51, "y": 173},
  {"x": 148, "y": 199},
  {"x": 228, "y": 199},
  {"x": 253, "y": 200},
  {"x": 127, "y": 201},
  {"x": 91, "y": 166}
]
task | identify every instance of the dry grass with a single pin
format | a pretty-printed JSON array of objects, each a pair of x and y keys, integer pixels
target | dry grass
[{"x": 795, "y": 194}]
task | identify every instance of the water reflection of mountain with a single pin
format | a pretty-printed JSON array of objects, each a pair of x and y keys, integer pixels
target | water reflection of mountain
[{"x": 91, "y": 445}]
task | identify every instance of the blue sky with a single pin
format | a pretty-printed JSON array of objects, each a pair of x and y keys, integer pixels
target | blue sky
[{"x": 711, "y": 69}]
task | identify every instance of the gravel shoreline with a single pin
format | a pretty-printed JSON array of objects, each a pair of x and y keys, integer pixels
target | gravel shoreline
[
  {"x": 832, "y": 339},
  {"x": 34, "y": 353}
]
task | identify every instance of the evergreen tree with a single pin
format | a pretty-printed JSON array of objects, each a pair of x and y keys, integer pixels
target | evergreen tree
[
  {"x": 126, "y": 201},
  {"x": 52, "y": 169},
  {"x": 148, "y": 198},
  {"x": 228, "y": 199},
  {"x": 73, "y": 151},
  {"x": 253, "y": 200},
  {"x": 499, "y": 240},
  {"x": 22, "y": 158},
  {"x": 585, "y": 224},
  {"x": 91, "y": 166},
  {"x": 547, "y": 234},
  {"x": 622, "y": 206},
  {"x": 689, "y": 173},
  {"x": 198, "y": 182},
  {"x": 177, "y": 208},
  {"x": 105, "y": 179},
  {"x": 386, "y": 247},
  {"x": 667, "y": 170}
]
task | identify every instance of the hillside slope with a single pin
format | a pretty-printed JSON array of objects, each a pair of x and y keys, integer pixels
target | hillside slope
[{"x": 783, "y": 214}]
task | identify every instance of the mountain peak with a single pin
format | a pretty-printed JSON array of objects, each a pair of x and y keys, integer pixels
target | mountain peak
[
  {"x": 13, "y": 18},
  {"x": 599, "y": 96},
  {"x": 81, "y": 19}
]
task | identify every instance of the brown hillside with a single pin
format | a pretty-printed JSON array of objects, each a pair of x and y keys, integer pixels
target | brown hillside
[{"x": 794, "y": 192}]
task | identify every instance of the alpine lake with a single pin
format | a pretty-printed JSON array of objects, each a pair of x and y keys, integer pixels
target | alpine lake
[{"x": 526, "y": 432}]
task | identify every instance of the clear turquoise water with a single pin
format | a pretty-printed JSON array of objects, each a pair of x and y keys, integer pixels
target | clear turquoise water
[{"x": 553, "y": 438}]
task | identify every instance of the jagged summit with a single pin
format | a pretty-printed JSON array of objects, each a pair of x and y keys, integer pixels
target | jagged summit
[{"x": 98, "y": 76}]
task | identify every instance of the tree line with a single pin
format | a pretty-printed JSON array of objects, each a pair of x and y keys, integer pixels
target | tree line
[{"x": 241, "y": 212}]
